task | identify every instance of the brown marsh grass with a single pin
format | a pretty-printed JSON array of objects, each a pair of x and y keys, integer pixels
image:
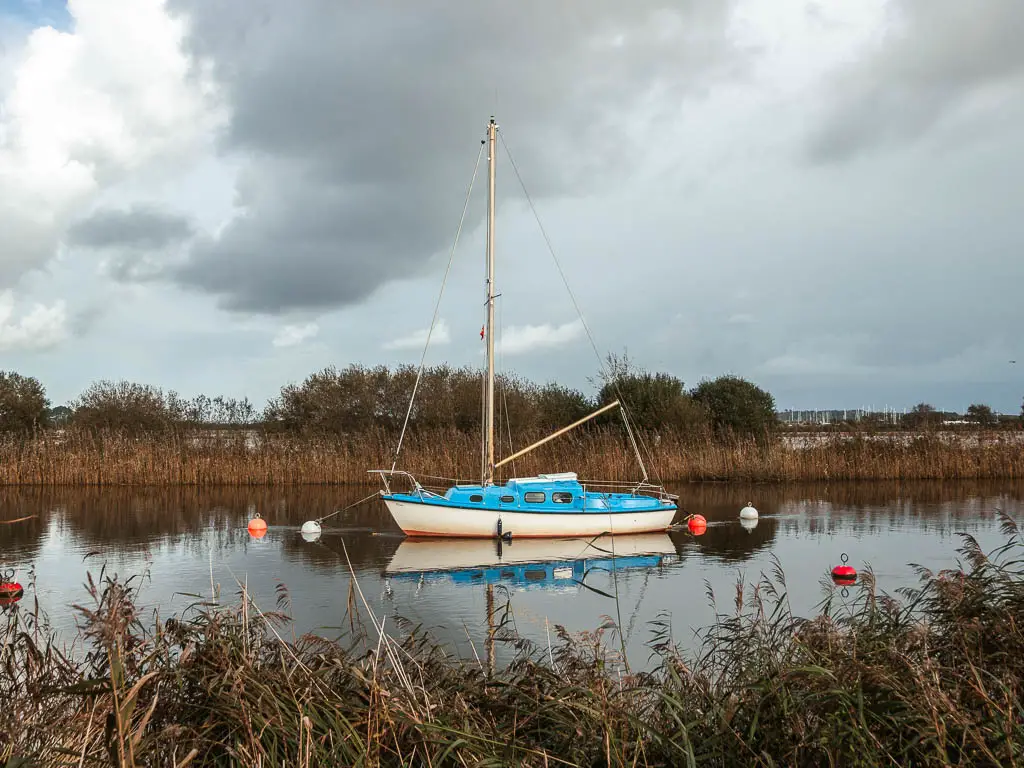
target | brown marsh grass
[
  {"x": 84, "y": 458},
  {"x": 934, "y": 677},
  {"x": 79, "y": 457}
]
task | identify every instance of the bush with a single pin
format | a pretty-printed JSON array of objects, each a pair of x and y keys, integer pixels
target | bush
[
  {"x": 140, "y": 408},
  {"x": 215, "y": 411},
  {"x": 737, "y": 406},
  {"x": 981, "y": 415},
  {"x": 356, "y": 399},
  {"x": 922, "y": 415},
  {"x": 655, "y": 401},
  {"x": 124, "y": 406},
  {"x": 59, "y": 416},
  {"x": 23, "y": 403},
  {"x": 558, "y": 406},
  {"x": 332, "y": 401}
]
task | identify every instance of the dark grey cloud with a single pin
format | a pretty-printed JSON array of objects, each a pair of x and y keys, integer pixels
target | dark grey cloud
[
  {"x": 935, "y": 57},
  {"x": 138, "y": 227},
  {"x": 359, "y": 123}
]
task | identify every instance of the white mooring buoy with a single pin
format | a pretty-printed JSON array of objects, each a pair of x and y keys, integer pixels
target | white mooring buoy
[
  {"x": 748, "y": 512},
  {"x": 310, "y": 530}
]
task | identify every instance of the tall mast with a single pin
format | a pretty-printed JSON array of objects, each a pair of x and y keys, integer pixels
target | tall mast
[{"x": 488, "y": 457}]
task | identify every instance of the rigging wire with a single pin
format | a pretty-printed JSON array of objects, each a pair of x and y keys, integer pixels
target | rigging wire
[
  {"x": 579, "y": 312},
  {"x": 629, "y": 431},
  {"x": 504, "y": 386},
  {"x": 437, "y": 307}
]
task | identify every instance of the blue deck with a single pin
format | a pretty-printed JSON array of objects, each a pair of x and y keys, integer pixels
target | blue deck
[{"x": 544, "y": 494}]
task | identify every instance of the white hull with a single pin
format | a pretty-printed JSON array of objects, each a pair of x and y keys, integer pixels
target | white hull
[
  {"x": 437, "y": 520},
  {"x": 452, "y": 554}
]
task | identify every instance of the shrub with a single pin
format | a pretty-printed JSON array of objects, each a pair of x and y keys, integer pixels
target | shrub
[
  {"x": 737, "y": 406},
  {"x": 981, "y": 414},
  {"x": 23, "y": 403},
  {"x": 123, "y": 406},
  {"x": 655, "y": 401}
]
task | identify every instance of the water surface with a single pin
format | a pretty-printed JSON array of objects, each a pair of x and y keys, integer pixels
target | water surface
[{"x": 190, "y": 543}]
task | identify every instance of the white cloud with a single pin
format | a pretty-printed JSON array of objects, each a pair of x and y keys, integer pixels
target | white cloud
[
  {"x": 86, "y": 109},
  {"x": 527, "y": 338},
  {"x": 41, "y": 328},
  {"x": 293, "y": 335},
  {"x": 417, "y": 339}
]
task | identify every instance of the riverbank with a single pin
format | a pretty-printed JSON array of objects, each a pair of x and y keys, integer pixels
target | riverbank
[
  {"x": 208, "y": 458},
  {"x": 935, "y": 679}
]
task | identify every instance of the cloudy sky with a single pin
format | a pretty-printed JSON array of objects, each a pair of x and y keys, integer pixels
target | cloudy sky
[{"x": 222, "y": 196}]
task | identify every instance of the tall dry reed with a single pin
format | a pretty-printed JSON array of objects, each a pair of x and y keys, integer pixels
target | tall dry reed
[{"x": 78, "y": 457}]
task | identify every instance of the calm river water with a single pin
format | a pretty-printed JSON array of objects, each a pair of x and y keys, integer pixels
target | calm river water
[{"x": 179, "y": 537}]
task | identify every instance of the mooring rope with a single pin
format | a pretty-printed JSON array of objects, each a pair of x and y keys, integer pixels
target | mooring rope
[{"x": 346, "y": 509}]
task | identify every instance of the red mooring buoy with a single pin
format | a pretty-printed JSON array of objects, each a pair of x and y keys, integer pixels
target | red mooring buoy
[
  {"x": 697, "y": 525},
  {"x": 10, "y": 592},
  {"x": 844, "y": 574}
]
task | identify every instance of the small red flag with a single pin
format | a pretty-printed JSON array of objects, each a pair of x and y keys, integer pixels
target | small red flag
[{"x": 482, "y": 333}]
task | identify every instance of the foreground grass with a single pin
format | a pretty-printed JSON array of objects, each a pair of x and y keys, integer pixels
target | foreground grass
[
  {"x": 934, "y": 678},
  {"x": 79, "y": 457}
]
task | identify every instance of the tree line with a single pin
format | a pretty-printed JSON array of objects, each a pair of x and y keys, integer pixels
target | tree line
[
  {"x": 117, "y": 405},
  {"x": 356, "y": 398},
  {"x": 923, "y": 416}
]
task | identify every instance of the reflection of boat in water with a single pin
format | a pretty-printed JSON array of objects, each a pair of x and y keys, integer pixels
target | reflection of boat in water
[{"x": 525, "y": 562}]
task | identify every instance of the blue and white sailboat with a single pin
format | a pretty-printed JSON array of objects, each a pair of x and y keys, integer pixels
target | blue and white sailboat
[{"x": 548, "y": 505}]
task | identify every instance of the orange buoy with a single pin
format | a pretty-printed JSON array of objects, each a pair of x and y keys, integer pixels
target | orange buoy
[
  {"x": 844, "y": 574},
  {"x": 10, "y": 592},
  {"x": 258, "y": 527},
  {"x": 697, "y": 525}
]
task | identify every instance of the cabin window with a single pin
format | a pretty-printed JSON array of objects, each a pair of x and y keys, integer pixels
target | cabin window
[
  {"x": 508, "y": 499},
  {"x": 533, "y": 497},
  {"x": 561, "y": 497},
  {"x": 476, "y": 497}
]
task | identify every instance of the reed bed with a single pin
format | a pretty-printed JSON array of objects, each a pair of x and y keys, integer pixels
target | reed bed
[
  {"x": 80, "y": 457},
  {"x": 932, "y": 677}
]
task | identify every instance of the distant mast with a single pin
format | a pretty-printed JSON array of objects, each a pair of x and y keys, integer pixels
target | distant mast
[{"x": 488, "y": 452}]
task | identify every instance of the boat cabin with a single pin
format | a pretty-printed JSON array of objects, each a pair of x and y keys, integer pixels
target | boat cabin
[{"x": 551, "y": 493}]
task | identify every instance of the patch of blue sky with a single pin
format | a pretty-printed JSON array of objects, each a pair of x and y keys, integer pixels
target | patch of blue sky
[{"x": 37, "y": 13}]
